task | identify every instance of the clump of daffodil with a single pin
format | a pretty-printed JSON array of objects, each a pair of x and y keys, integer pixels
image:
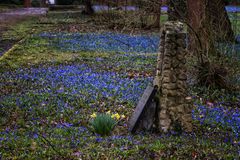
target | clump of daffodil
[
  {"x": 117, "y": 116},
  {"x": 104, "y": 123}
]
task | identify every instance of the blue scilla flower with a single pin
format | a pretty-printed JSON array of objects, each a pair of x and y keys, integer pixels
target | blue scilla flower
[
  {"x": 99, "y": 139},
  {"x": 104, "y": 42},
  {"x": 80, "y": 80},
  {"x": 218, "y": 115},
  {"x": 238, "y": 38},
  {"x": 233, "y": 8}
]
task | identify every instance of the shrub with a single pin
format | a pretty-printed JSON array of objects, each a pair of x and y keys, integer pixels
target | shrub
[{"x": 213, "y": 75}]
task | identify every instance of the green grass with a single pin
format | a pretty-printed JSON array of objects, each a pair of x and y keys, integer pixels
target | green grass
[
  {"x": 7, "y": 7},
  {"x": 235, "y": 20},
  {"x": 22, "y": 29}
]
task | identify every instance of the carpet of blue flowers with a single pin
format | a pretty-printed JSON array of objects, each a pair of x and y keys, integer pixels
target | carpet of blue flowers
[
  {"x": 45, "y": 108},
  {"x": 233, "y": 9},
  {"x": 105, "y": 42}
]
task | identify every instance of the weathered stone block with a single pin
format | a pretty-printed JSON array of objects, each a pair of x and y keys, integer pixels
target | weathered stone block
[
  {"x": 167, "y": 66},
  {"x": 169, "y": 46},
  {"x": 180, "y": 100},
  {"x": 163, "y": 114},
  {"x": 188, "y": 108},
  {"x": 173, "y": 53},
  {"x": 182, "y": 76},
  {"x": 181, "y": 43},
  {"x": 166, "y": 73},
  {"x": 166, "y": 80},
  {"x": 161, "y": 49},
  {"x": 171, "y": 101},
  {"x": 167, "y": 54},
  {"x": 165, "y": 124},
  {"x": 181, "y": 85},
  {"x": 169, "y": 86},
  {"x": 175, "y": 63},
  {"x": 181, "y": 35},
  {"x": 187, "y": 117},
  {"x": 180, "y": 108},
  {"x": 180, "y": 57},
  {"x": 173, "y": 78},
  {"x": 171, "y": 93}
]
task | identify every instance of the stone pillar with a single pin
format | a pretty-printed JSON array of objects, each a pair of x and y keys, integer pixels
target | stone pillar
[{"x": 174, "y": 109}]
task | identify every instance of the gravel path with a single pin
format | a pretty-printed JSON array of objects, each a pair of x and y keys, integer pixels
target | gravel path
[{"x": 22, "y": 12}]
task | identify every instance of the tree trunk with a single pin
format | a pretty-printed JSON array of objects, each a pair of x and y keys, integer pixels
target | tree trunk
[
  {"x": 208, "y": 23},
  {"x": 157, "y": 13},
  {"x": 27, "y": 3},
  {"x": 88, "y": 7},
  {"x": 195, "y": 18},
  {"x": 43, "y": 3},
  {"x": 219, "y": 21}
]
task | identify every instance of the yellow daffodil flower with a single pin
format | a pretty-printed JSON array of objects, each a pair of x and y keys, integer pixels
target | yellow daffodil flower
[
  {"x": 108, "y": 112},
  {"x": 123, "y": 116},
  {"x": 94, "y": 115},
  {"x": 117, "y": 116}
]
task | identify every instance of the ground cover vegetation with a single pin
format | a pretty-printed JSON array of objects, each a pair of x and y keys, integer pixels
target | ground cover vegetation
[{"x": 71, "y": 67}]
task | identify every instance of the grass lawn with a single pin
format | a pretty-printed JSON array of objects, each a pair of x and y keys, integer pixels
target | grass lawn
[
  {"x": 8, "y": 7},
  {"x": 66, "y": 70},
  {"x": 235, "y": 19}
]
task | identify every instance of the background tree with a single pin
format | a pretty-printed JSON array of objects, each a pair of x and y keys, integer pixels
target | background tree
[
  {"x": 149, "y": 9},
  {"x": 27, "y": 3},
  {"x": 219, "y": 23},
  {"x": 157, "y": 13},
  {"x": 209, "y": 24},
  {"x": 88, "y": 7}
]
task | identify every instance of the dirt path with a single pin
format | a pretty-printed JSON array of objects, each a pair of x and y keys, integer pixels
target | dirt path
[{"x": 12, "y": 17}]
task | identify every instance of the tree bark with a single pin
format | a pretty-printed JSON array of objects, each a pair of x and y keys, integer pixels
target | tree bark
[
  {"x": 157, "y": 13},
  {"x": 43, "y": 3},
  {"x": 219, "y": 20},
  {"x": 27, "y": 3},
  {"x": 208, "y": 24},
  {"x": 88, "y": 7}
]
